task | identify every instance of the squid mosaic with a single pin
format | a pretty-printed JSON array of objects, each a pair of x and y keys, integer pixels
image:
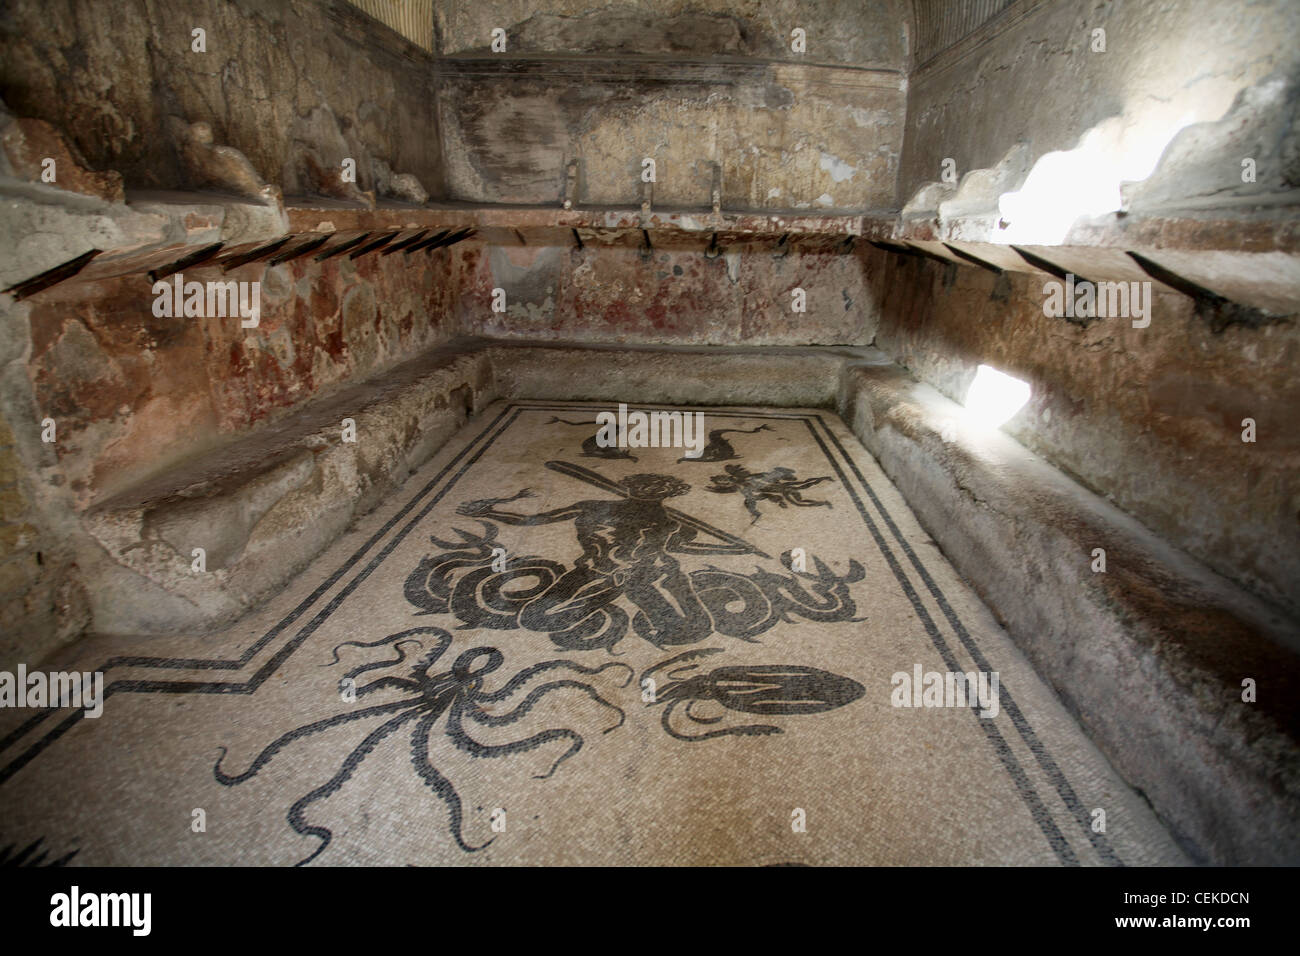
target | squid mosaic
[{"x": 764, "y": 689}]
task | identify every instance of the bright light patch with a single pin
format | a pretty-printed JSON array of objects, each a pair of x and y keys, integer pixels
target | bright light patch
[
  {"x": 994, "y": 397},
  {"x": 1064, "y": 186}
]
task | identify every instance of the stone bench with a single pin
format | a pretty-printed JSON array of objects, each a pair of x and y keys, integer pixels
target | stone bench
[
  {"x": 1150, "y": 655},
  {"x": 265, "y": 504}
]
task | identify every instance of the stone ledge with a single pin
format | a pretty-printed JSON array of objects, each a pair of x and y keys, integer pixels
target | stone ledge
[
  {"x": 709, "y": 375},
  {"x": 266, "y": 503},
  {"x": 1150, "y": 655}
]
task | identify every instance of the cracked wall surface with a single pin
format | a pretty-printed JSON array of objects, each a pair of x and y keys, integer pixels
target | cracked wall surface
[
  {"x": 135, "y": 393},
  {"x": 292, "y": 84}
]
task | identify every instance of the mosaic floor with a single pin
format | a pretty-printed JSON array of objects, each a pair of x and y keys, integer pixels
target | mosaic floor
[{"x": 546, "y": 651}]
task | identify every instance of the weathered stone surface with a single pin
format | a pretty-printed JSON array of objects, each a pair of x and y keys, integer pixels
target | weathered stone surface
[
  {"x": 29, "y": 143},
  {"x": 675, "y": 295},
  {"x": 882, "y": 785},
  {"x": 209, "y": 166},
  {"x": 110, "y": 82},
  {"x": 838, "y": 31},
  {"x": 401, "y": 186},
  {"x": 1204, "y": 162},
  {"x": 786, "y": 136},
  {"x": 1156, "y": 644},
  {"x": 134, "y": 393},
  {"x": 1150, "y": 417},
  {"x": 42, "y": 601},
  {"x": 1162, "y": 70},
  {"x": 1150, "y": 655},
  {"x": 263, "y": 506},
  {"x": 319, "y": 150},
  {"x": 149, "y": 232},
  {"x": 507, "y": 223},
  {"x": 176, "y": 433},
  {"x": 681, "y": 375},
  {"x": 1103, "y": 138}
]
